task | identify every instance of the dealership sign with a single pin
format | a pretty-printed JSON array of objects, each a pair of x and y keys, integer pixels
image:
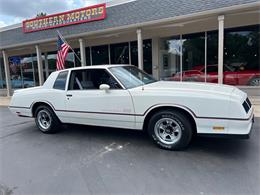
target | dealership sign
[{"x": 93, "y": 13}]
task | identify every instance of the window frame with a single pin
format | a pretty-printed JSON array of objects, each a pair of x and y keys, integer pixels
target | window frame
[
  {"x": 87, "y": 69},
  {"x": 65, "y": 87}
]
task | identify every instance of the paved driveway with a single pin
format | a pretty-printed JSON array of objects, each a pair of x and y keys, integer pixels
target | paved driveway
[{"x": 91, "y": 160}]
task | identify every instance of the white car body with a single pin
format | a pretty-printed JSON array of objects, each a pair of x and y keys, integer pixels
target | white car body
[{"x": 216, "y": 109}]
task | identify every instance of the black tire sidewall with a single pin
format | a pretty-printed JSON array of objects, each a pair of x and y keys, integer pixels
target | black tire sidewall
[
  {"x": 54, "y": 120},
  {"x": 182, "y": 121}
]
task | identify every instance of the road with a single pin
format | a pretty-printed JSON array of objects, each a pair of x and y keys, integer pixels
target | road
[{"x": 92, "y": 160}]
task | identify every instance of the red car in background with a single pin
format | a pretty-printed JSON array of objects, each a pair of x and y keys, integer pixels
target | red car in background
[{"x": 232, "y": 75}]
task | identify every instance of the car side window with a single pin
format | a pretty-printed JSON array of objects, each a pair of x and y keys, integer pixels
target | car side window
[
  {"x": 88, "y": 79},
  {"x": 60, "y": 82}
]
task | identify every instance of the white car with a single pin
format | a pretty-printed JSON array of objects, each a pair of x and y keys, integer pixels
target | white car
[{"x": 122, "y": 96}]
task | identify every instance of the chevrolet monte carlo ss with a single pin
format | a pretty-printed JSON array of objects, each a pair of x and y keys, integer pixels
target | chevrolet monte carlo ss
[{"x": 122, "y": 96}]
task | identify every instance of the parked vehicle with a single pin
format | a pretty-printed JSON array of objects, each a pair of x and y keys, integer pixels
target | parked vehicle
[
  {"x": 231, "y": 75},
  {"x": 123, "y": 96},
  {"x": 17, "y": 83}
]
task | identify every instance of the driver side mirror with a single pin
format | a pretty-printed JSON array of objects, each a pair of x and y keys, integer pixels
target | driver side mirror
[{"x": 104, "y": 87}]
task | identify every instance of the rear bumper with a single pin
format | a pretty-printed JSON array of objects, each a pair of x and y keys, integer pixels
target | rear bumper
[{"x": 21, "y": 111}]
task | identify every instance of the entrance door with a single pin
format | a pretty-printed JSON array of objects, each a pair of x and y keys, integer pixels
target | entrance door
[{"x": 87, "y": 104}]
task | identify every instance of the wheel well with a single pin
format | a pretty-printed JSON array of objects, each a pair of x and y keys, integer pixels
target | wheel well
[
  {"x": 36, "y": 105},
  {"x": 181, "y": 110}
]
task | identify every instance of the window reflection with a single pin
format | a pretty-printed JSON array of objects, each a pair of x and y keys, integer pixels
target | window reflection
[
  {"x": 147, "y": 55},
  {"x": 52, "y": 56},
  {"x": 119, "y": 53},
  {"x": 134, "y": 53},
  {"x": 193, "y": 48},
  {"x": 2, "y": 74},
  {"x": 22, "y": 72},
  {"x": 100, "y": 55},
  {"x": 170, "y": 52},
  {"x": 147, "y": 50},
  {"x": 78, "y": 59},
  {"x": 241, "y": 56},
  {"x": 211, "y": 70},
  {"x": 69, "y": 62}
]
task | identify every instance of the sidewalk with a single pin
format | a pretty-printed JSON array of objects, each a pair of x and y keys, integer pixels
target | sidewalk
[
  {"x": 5, "y": 101},
  {"x": 256, "y": 103}
]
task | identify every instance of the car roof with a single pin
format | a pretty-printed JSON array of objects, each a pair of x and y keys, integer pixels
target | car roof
[{"x": 96, "y": 67}]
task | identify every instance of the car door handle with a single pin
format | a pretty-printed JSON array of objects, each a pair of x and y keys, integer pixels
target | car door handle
[{"x": 69, "y": 95}]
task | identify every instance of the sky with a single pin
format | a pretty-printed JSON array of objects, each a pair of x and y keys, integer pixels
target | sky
[{"x": 15, "y": 11}]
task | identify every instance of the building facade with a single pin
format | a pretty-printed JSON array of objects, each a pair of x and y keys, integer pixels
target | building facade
[{"x": 202, "y": 41}]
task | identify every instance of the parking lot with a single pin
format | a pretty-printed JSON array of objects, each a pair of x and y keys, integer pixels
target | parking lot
[{"x": 94, "y": 160}]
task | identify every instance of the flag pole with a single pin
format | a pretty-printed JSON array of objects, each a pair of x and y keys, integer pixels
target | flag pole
[{"x": 63, "y": 39}]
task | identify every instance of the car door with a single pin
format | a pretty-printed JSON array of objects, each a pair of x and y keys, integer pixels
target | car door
[{"x": 87, "y": 104}]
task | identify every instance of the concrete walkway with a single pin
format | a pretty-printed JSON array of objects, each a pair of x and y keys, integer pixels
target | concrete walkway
[
  {"x": 256, "y": 103},
  {"x": 5, "y": 101}
]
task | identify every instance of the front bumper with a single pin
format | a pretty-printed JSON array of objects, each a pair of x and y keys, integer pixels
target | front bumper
[{"x": 236, "y": 128}]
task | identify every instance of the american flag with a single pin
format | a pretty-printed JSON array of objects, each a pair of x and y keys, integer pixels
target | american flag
[{"x": 63, "y": 49}]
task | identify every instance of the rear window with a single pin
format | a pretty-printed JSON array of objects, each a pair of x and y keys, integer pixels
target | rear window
[{"x": 60, "y": 82}]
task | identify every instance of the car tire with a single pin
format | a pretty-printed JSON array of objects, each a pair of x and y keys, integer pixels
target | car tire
[
  {"x": 46, "y": 120},
  {"x": 170, "y": 130},
  {"x": 255, "y": 81}
]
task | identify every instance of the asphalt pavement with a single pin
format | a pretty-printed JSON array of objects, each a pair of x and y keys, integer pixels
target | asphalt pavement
[{"x": 95, "y": 160}]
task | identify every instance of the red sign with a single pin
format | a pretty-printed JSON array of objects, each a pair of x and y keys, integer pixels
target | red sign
[{"x": 87, "y": 14}]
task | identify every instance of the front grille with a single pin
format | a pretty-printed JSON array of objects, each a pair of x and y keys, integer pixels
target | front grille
[{"x": 247, "y": 105}]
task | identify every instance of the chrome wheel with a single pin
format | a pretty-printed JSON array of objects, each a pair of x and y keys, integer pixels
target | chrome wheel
[
  {"x": 167, "y": 130},
  {"x": 44, "y": 119},
  {"x": 255, "y": 82}
]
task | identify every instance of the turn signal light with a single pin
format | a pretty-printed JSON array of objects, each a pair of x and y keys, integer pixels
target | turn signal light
[{"x": 217, "y": 128}]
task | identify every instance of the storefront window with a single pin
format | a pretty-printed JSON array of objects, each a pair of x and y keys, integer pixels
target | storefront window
[
  {"x": 170, "y": 53},
  {"x": 147, "y": 50},
  {"x": 211, "y": 70},
  {"x": 134, "y": 53},
  {"x": 44, "y": 66},
  {"x": 192, "y": 48},
  {"x": 22, "y": 72},
  {"x": 2, "y": 74},
  {"x": 88, "y": 61},
  {"x": 241, "y": 56},
  {"x": 100, "y": 55},
  {"x": 35, "y": 69},
  {"x": 78, "y": 57},
  {"x": 193, "y": 59},
  {"x": 119, "y": 53},
  {"x": 147, "y": 55},
  {"x": 52, "y": 56},
  {"x": 69, "y": 62}
]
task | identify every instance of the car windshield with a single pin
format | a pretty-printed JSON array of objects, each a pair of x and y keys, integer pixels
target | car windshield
[{"x": 131, "y": 77}]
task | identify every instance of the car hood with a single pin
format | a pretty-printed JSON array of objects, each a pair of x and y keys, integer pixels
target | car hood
[{"x": 195, "y": 87}]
